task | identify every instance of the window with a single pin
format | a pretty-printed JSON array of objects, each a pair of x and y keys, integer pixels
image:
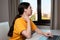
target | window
[
  {"x": 41, "y": 11},
  {"x": 44, "y": 11}
]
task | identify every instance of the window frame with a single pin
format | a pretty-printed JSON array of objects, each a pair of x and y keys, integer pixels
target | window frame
[{"x": 43, "y": 22}]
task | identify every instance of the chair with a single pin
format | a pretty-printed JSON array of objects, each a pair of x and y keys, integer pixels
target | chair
[{"x": 4, "y": 28}]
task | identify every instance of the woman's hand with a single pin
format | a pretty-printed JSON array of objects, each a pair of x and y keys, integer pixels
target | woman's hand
[
  {"x": 47, "y": 34},
  {"x": 26, "y": 18}
]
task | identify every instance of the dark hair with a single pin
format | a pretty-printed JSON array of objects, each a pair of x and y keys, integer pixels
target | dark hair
[{"x": 21, "y": 7}]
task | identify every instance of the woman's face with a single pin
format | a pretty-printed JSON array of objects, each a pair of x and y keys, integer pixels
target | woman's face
[{"x": 29, "y": 11}]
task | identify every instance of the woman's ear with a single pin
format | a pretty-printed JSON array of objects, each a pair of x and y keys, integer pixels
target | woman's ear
[{"x": 25, "y": 10}]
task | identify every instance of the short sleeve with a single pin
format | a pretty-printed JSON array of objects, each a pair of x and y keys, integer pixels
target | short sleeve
[
  {"x": 19, "y": 27},
  {"x": 34, "y": 27}
]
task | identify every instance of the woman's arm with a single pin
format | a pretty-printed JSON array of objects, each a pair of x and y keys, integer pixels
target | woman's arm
[
  {"x": 47, "y": 34},
  {"x": 39, "y": 31},
  {"x": 27, "y": 32}
]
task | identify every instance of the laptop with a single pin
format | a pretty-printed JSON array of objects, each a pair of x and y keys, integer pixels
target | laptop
[{"x": 56, "y": 35}]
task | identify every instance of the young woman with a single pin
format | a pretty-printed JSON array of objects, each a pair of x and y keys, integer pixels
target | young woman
[{"x": 22, "y": 26}]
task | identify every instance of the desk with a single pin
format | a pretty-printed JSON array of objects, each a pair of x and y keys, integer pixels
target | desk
[{"x": 36, "y": 36}]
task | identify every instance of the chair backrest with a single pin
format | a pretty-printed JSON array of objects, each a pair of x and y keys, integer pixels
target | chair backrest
[{"x": 4, "y": 28}]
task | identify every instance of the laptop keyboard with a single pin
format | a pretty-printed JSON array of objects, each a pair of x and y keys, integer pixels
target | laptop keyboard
[{"x": 55, "y": 37}]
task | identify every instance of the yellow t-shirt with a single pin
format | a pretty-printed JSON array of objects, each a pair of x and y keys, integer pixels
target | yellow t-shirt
[{"x": 19, "y": 26}]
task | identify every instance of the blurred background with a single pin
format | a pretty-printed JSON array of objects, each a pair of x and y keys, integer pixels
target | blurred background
[{"x": 46, "y": 13}]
